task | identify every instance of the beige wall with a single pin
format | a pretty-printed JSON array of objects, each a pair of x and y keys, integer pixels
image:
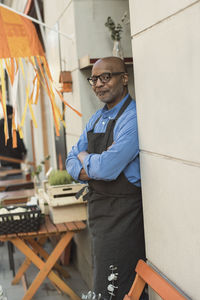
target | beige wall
[{"x": 166, "y": 47}]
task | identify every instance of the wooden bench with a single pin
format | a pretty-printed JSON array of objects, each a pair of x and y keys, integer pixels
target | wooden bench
[
  {"x": 16, "y": 160},
  {"x": 147, "y": 275},
  {"x": 15, "y": 184},
  {"x": 10, "y": 172},
  {"x": 16, "y": 197}
]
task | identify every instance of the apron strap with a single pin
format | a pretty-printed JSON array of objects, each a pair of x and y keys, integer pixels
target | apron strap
[
  {"x": 123, "y": 108},
  {"x": 97, "y": 120},
  {"x": 111, "y": 124}
]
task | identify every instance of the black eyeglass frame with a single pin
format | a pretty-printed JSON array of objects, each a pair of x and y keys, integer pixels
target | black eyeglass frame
[{"x": 93, "y": 83}]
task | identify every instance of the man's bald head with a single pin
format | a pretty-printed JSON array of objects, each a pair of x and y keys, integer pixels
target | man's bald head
[
  {"x": 114, "y": 87},
  {"x": 115, "y": 64}
]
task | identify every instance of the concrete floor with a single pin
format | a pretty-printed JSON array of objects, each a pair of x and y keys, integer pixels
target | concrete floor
[{"x": 46, "y": 290}]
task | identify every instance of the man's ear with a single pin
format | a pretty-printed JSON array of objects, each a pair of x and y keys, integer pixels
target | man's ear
[{"x": 125, "y": 79}]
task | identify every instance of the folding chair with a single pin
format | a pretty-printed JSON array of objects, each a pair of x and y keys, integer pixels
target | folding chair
[{"x": 147, "y": 275}]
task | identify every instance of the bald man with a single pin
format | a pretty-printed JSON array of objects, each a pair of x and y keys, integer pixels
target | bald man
[{"x": 107, "y": 157}]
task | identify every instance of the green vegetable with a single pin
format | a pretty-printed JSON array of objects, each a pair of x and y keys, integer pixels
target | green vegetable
[{"x": 59, "y": 177}]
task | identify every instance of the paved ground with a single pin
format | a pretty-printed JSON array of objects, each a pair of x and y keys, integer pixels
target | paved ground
[{"x": 46, "y": 291}]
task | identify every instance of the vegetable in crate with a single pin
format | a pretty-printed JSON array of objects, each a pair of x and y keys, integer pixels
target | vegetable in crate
[{"x": 59, "y": 177}]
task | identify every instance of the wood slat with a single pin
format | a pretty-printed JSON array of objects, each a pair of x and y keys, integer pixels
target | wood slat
[
  {"x": 50, "y": 226},
  {"x": 71, "y": 226},
  {"x": 15, "y": 197},
  {"x": 27, "y": 234},
  {"x": 20, "y": 234},
  {"x": 18, "y": 201},
  {"x": 61, "y": 227},
  {"x": 3, "y": 237},
  {"x": 11, "y": 235},
  {"x": 5, "y": 183},
  {"x": 80, "y": 225},
  {"x": 43, "y": 229},
  {"x": 15, "y": 160},
  {"x": 10, "y": 172}
]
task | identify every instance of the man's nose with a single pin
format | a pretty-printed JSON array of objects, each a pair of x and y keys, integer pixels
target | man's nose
[{"x": 99, "y": 82}]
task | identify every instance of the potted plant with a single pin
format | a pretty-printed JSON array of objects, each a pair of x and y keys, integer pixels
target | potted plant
[
  {"x": 59, "y": 177},
  {"x": 36, "y": 173},
  {"x": 116, "y": 30}
]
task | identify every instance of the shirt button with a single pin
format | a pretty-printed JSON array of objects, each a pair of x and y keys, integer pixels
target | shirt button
[{"x": 103, "y": 123}]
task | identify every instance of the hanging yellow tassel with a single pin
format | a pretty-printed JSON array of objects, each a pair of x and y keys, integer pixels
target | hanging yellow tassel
[
  {"x": 9, "y": 70},
  {"x": 42, "y": 77},
  {"x": 46, "y": 67},
  {"x": 52, "y": 98},
  {"x": 36, "y": 85},
  {"x": 32, "y": 114},
  {"x": 63, "y": 100},
  {"x": 31, "y": 97},
  {"x": 14, "y": 133},
  {"x": 25, "y": 108},
  {"x": 21, "y": 66},
  {"x": 20, "y": 132}
]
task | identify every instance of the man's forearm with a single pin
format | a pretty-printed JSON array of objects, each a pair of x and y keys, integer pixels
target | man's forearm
[
  {"x": 82, "y": 155},
  {"x": 83, "y": 175}
]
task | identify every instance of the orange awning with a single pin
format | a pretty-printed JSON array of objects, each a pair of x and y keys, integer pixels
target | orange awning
[
  {"x": 19, "y": 47},
  {"x": 18, "y": 36}
]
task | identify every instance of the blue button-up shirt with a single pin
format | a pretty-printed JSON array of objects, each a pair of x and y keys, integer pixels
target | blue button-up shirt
[{"x": 123, "y": 155}]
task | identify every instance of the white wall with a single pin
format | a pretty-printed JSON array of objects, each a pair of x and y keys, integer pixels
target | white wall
[
  {"x": 166, "y": 46},
  {"x": 93, "y": 37}
]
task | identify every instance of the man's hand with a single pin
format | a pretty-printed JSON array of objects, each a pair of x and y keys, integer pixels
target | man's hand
[
  {"x": 82, "y": 155},
  {"x": 83, "y": 175},
  {"x": 110, "y": 146}
]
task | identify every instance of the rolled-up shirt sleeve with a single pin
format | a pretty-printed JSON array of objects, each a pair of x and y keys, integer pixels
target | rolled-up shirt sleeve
[
  {"x": 109, "y": 164},
  {"x": 73, "y": 164}
]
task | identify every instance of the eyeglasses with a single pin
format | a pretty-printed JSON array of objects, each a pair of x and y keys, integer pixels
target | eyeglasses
[{"x": 104, "y": 77}]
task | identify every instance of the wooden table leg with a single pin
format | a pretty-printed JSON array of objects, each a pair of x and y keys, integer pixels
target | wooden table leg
[
  {"x": 45, "y": 255},
  {"x": 38, "y": 250},
  {"x": 24, "y": 267},
  {"x": 21, "y": 271},
  {"x": 11, "y": 257},
  {"x": 45, "y": 268}
]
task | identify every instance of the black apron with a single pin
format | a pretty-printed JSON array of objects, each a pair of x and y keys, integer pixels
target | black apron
[{"x": 115, "y": 221}]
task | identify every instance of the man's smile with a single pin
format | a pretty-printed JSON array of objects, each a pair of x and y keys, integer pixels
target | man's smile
[{"x": 101, "y": 93}]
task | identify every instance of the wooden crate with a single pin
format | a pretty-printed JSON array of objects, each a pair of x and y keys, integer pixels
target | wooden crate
[
  {"x": 43, "y": 201},
  {"x": 63, "y": 206}
]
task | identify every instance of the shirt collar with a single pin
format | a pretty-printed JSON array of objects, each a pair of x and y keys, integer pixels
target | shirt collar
[{"x": 113, "y": 112}]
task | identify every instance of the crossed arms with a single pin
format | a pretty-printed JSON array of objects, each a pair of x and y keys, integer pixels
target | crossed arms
[{"x": 111, "y": 162}]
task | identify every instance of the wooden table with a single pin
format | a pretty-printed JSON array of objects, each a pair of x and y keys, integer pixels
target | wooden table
[
  {"x": 7, "y": 172},
  {"x": 33, "y": 250},
  {"x": 14, "y": 183},
  {"x": 16, "y": 197}
]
